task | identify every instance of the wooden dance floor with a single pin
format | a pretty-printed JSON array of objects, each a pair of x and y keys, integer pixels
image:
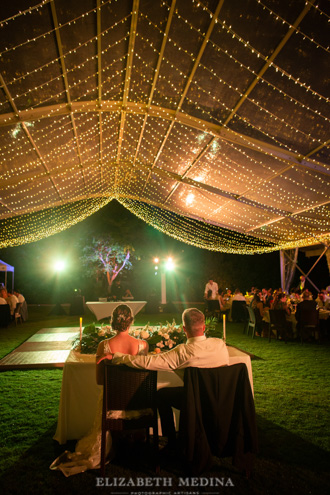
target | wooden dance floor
[{"x": 48, "y": 348}]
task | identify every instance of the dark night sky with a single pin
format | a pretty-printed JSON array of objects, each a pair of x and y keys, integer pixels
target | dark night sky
[{"x": 35, "y": 277}]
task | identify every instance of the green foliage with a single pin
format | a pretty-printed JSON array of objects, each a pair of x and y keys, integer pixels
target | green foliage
[
  {"x": 104, "y": 255},
  {"x": 92, "y": 335},
  {"x": 212, "y": 327}
]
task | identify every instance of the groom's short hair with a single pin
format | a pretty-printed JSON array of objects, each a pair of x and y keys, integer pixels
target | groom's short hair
[{"x": 193, "y": 319}]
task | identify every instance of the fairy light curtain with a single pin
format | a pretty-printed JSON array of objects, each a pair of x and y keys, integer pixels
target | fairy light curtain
[{"x": 201, "y": 117}]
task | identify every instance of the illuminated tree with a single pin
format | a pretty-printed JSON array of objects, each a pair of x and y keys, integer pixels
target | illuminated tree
[{"x": 105, "y": 256}]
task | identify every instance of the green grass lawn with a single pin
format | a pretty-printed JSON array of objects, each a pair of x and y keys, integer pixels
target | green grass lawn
[{"x": 291, "y": 388}]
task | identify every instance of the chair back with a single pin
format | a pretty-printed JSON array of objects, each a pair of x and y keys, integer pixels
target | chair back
[
  {"x": 129, "y": 402},
  {"x": 217, "y": 417},
  {"x": 129, "y": 388},
  {"x": 277, "y": 317},
  {"x": 17, "y": 312},
  {"x": 252, "y": 315},
  {"x": 278, "y": 321},
  {"x": 250, "y": 320},
  {"x": 309, "y": 317},
  {"x": 5, "y": 316},
  {"x": 237, "y": 311},
  {"x": 308, "y": 323}
]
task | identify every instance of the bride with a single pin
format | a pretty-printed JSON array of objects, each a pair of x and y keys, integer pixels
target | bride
[{"x": 88, "y": 449}]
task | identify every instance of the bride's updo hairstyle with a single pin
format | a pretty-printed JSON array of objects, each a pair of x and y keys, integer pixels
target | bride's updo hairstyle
[{"x": 122, "y": 318}]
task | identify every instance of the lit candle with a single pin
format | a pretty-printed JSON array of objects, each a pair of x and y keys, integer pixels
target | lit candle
[
  {"x": 80, "y": 329},
  {"x": 224, "y": 328}
]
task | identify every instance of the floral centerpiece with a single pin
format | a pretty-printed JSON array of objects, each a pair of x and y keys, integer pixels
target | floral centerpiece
[
  {"x": 160, "y": 337},
  {"x": 91, "y": 337}
]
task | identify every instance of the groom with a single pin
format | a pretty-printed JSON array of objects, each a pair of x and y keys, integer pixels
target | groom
[{"x": 198, "y": 351}]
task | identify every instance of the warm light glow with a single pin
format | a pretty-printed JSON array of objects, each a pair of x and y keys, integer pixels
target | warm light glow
[
  {"x": 190, "y": 199},
  {"x": 242, "y": 149}
]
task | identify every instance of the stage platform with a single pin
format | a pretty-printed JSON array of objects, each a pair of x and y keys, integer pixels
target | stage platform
[{"x": 48, "y": 348}]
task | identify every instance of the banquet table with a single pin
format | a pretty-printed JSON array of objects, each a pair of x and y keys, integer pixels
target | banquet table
[
  {"x": 105, "y": 309},
  {"x": 80, "y": 393}
]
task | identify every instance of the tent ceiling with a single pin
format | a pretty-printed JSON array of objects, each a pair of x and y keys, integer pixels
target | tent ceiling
[{"x": 214, "y": 110}]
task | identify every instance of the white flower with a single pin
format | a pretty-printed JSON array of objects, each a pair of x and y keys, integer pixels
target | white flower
[
  {"x": 166, "y": 336},
  {"x": 101, "y": 332},
  {"x": 144, "y": 334}
]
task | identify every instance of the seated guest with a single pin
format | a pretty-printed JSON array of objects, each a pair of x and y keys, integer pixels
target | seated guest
[
  {"x": 308, "y": 293},
  {"x": 2, "y": 298},
  {"x": 238, "y": 296},
  {"x": 19, "y": 296},
  {"x": 87, "y": 454},
  {"x": 122, "y": 319},
  {"x": 198, "y": 351},
  {"x": 223, "y": 304},
  {"x": 263, "y": 295},
  {"x": 258, "y": 307},
  {"x": 323, "y": 300},
  {"x": 269, "y": 298},
  {"x": 280, "y": 303},
  {"x": 295, "y": 296},
  {"x": 12, "y": 301},
  {"x": 4, "y": 293},
  {"x": 228, "y": 295},
  {"x": 24, "y": 308},
  {"x": 292, "y": 294}
]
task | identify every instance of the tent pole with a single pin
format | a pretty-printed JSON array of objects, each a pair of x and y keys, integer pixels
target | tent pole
[
  {"x": 282, "y": 269},
  {"x": 287, "y": 269},
  {"x": 316, "y": 288},
  {"x": 318, "y": 259}
]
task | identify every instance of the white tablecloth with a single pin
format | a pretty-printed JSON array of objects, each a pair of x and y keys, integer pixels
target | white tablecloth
[
  {"x": 80, "y": 393},
  {"x": 104, "y": 309}
]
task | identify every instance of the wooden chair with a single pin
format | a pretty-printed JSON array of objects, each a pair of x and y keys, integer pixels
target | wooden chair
[
  {"x": 279, "y": 323},
  {"x": 129, "y": 403}
]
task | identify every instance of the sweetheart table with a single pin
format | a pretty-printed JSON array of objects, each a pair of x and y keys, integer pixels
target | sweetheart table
[{"x": 80, "y": 392}]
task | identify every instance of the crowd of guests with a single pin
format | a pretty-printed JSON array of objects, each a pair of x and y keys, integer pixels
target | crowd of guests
[
  {"x": 218, "y": 301},
  {"x": 10, "y": 297}
]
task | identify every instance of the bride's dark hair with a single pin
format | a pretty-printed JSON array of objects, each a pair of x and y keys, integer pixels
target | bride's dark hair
[{"x": 122, "y": 318}]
